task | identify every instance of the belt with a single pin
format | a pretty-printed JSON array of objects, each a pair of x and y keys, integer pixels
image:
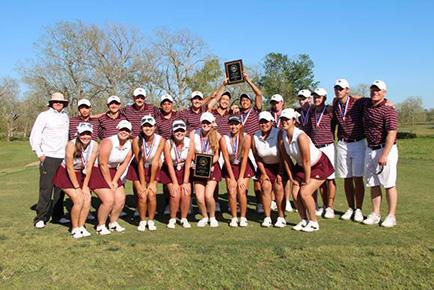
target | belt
[
  {"x": 378, "y": 146},
  {"x": 323, "y": 145},
  {"x": 347, "y": 140}
]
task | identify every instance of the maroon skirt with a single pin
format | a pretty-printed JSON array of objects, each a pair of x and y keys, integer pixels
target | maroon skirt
[
  {"x": 216, "y": 175},
  {"x": 272, "y": 171},
  {"x": 164, "y": 176},
  {"x": 133, "y": 171},
  {"x": 236, "y": 170},
  {"x": 62, "y": 180},
  {"x": 97, "y": 179},
  {"x": 320, "y": 170}
]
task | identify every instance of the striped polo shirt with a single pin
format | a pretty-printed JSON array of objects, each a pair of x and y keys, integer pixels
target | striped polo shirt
[
  {"x": 304, "y": 119},
  {"x": 321, "y": 125},
  {"x": 222, "y": 121},
  {"x": 378, "y": 121},
  {"x": 135, "y": 114},
  {"x": 164, "y": 124},
  {"x": 276, "y": 116},
  {"x": 250, "y": 120},
  {"x": 107, "y": 125},
  {"x": 349, "y": 118},
  {"x": 192, "y": 119},
  {"x": 73, "y": 123}
]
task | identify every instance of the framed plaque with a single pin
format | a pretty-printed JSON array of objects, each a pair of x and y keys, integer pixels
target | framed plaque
[
  {"x": 234, "y": 71},
  {"x": 203, "y": 164}
]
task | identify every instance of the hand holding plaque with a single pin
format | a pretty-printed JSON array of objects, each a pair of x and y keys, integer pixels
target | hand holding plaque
[
  {"x": 234, "y": 71},
  {"x": 203, "y": 165}
]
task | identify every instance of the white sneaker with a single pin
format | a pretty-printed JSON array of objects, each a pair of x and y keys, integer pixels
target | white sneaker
[
  {"x": 142, "y": 226},
  {"x": 280, "y": 223},
  {"x": 273, "y": 205},
  {"x": 185, "y": 224},
  {"x": 63, "y": 221},
  {"x": 151, "y": 225},
  {"x": 288, "y": 206},
  {"x": 167, "y": 209},
  {"x": 40, "y": 225},
  {"x": 259, "y": 208},
  {"x": 217, "y": 207},
  {"x": 123, "y": 214},
  {"x": 311, "y": 227},
  {"x": 389, "y": 221},
  {"x": 372, "y": 219},
  {"x": 85, "y": 232},
  {"x": 102, "y": 230},
  {"x": 329, "y": 213},
  {"x": 267, "y": 222},
  {"x": 358, "y": 215},
  {"x": 213, "y": 222},
  {"x": 243, "y": 222},
  {"x": 90, "y": 217},
  {"x": 234, "y": 222},
  {"x": 298, "y": 227},
  {"x": 347, "y": 215},
  {"x": 171, "y": 224},
  {"x": 319, "y": 211},
  {"x": 202, "y": 222},
  {"x": 115, "y": 227},
  {"x": 76, "y": 233}
]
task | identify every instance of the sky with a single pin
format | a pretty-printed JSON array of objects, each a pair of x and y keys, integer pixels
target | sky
[{"x": 360, "y": 41}]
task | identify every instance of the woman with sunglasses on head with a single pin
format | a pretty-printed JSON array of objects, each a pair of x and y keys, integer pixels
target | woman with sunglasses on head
[
  {"x": 147, "y": 147},
  {"x": 172, "y": 173},
  {"x": 113, "y": 160},
  {"x": 265, "y": 149},
  {"x": 235, "y": 147},
  {"x": 73, "y": 176},
  {"x": 205, "y": 140},
  {"x": 310, "y": 171}
]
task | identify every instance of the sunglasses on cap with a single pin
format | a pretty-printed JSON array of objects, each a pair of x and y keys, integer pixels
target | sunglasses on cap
[
  {"x": 178, "y": 127},
  {"x": 148, "y": 120}
]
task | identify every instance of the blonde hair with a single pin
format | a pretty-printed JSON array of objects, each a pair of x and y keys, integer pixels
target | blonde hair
[{"x": 213, "y": 139}]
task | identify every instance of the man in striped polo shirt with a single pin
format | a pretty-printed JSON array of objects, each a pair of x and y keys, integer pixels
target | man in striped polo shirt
[
  {"x": 305, "y": 109},
  {"x": 84, "y": 109},
  {"x": 249, "y": 112},
  {"x": 277, "y": 104},
  {"x": 165, "y": 116},
  {"x": 107, "y": 122},
  {"x": 381, "y": 126},
  {"x": 191, "y": 115},
  {"x": 219, "y": 106}
]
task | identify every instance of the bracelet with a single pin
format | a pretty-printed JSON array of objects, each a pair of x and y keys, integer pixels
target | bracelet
[{"x": 77, "y": 187}]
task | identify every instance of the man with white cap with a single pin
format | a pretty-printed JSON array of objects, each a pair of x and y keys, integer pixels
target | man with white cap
[
  {"x": 107, "y": 122},
  {"x": 381, "y": 126},
  {"x": 277, "y": 104},
  {"x": 165, "y": 116},
  {"x": 191, "y": 115},
  {"x": 305, "y": 108},
  {"x": 48, "y": 139},
  {"x": 84, "y": 109}
]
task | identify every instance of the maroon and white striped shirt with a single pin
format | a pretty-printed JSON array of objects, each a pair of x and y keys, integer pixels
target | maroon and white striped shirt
[
  {"x": 276, "y": 116},
  {"x": 250, "y": 120},
  {"x": 321, "y": 125},
  {"x": 222, "y": 122},
  {"x": 107, "y": 125},
  {"x": 349, "y": 118},
  {"x": 164, "y": 125},
  {"x": 135, "y": 115},
  {"x": 192, "y": 119},
  {"x": 378, "y": 121},
  {"x": 73, "y": 123}
]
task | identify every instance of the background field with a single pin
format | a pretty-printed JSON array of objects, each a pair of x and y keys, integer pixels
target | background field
[{"x": 342, "y": 255}]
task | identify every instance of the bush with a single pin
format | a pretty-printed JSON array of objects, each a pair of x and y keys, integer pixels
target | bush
[{"x": 406, "y": 135}]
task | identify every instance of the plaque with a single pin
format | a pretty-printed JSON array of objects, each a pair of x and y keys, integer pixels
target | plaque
[
  {"x": 203, "y": 164},
  {"x": 234, "y": 71}
]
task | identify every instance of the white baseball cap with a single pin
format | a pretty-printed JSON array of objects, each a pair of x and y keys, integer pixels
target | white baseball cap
[
  {"x": 343, "y": 83},
  {"x": 113, "y": 99},
  {"x": 289, "y": 113},
  {"x": 379, "y": 84},
  {"x": 84, "y": 102},
  {"x": 276, "y": 98},
  {"x": 304, "y": 93},
  {"x": 124, "y": 124},
  {"x": 207, "y": 116},
  {"x": 84, "y": 127},
  {"x": 320, "y": 92},
  {"x": 196, "y": 94},
  {"x": 139, "y": 92},
  {"x": 178, "y": 124},
  {"x": 166, "y": 97},
  {"x": 265, "y": 115},
  {"x": 147, "y": 119}
]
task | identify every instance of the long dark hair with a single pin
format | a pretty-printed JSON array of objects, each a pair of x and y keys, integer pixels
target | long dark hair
[{"x": 79, "y": 147}]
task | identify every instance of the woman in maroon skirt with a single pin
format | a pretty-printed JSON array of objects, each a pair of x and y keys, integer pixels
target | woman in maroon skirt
[
  {"x": 310, "y": 171},
  {"x": 235, "y": 148},
  {"x": 172, "y": 173},
  {"x": 73, "y": 176},
  {"x": 205, "y": 140},
  {"x": 147, "y": 147}
]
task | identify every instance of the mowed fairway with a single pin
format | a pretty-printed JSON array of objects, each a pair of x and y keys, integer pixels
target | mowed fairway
[{"x": 342, "y": 255}]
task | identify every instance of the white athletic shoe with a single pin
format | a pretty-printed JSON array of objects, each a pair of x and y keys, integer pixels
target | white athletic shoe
[
  {"x": 40, "y": 225},
  {"x": 288, "y": 206},
  {"x": 347, "y": 215},
  {"x": 115, "y": 227},
  {"x": 167, "y": 210},
  {"x": 389, "y": 221},
  {"x": 358, "y": 215},
  {"x": 243, "y": 222},
  {"x": 259, "y": 208},
  {"x": 311, "y": 227},
  {"x": 185, "y": 224},
  {"x": 85, "y": 232},
  {"x": 218, "y": 207},
  {"x": 63, "y": 221},
  {"x": 123, "y": 214},
  {"x": 298, "y": 227},
  {"x": 372, "y": 219},
  {"x": 202, "y": 222},
  {"x": 213, "y": 222},
  {"x": 102, "y": 230},
  {"x": 76, "y": 233},
  {"x": 142, "y": 226},
  {"x": 90, "y": 217},
  {"x": 273, "y": 205},
  {"x": 151, "y": 225},
  {"x": 319, "y": 211},
  {"x": 234, "y": 222},
  {"x": 329, "y": 213},
  {"x": 280, "y": 223},
  {"x": 267, "y": 222},
  {"x": 171, "y": 224}
]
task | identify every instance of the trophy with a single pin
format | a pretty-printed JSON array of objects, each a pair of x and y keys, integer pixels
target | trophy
[
  {"x": 234, "y": 71},
  {"x": 203, "y": 164}
]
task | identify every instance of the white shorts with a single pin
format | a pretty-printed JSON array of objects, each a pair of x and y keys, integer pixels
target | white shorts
[
  {"x": 329, "y": 151},
  {"x": 350, "y": 159},
  {"x": 387, "y": 177}
]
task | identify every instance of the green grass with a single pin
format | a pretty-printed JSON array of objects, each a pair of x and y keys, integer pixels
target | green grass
[{"x": 342, "y": 255}]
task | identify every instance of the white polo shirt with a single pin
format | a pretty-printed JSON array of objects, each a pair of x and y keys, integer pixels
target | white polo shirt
[{"x": 267, "y": 149}]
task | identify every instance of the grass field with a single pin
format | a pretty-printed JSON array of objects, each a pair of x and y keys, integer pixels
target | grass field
[{"x": 342, "y": 255}]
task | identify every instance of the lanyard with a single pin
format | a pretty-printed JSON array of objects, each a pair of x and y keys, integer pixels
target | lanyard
[
  {"x": 344, "y": 113},
  {"x": 148, "y": 150},
  {"x": 318, "y": 120},
  {"x": 177, "y": 152},
  {"x": 204, "y": 144},
  {"x": 85, "y": 158},
  {"x": 235, "y": 142},
  {"x": 244, "y": 120},
  {"x": 305, "y": 116},
  {"x": 276, "y": 119}
]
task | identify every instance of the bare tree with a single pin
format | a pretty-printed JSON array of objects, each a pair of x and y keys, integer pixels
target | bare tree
[{"x": 9, "y": 91}]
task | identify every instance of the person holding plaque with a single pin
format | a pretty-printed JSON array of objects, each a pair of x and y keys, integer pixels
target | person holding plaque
[
  {"x": 265, "y": 149},
  {"x": 73, "y": 176},
  {"x": 204, "y": 153},
  {"x": 147, "y": 148},
  {"x": 172, "y": 173},
  {"x": 235, "y": 147}
]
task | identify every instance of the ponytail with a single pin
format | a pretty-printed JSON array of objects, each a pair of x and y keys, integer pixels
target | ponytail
[{"x": 213, "y": 140}]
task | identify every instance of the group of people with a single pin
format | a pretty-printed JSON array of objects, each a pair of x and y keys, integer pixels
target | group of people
[{"x": 287, "y": 152}]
